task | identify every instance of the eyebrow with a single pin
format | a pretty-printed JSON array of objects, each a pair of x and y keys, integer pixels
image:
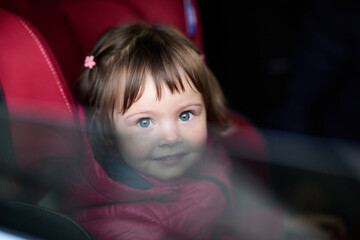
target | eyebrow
[
  {"x": 192, "y": 104},
  {"x": 140, "y": 113}
]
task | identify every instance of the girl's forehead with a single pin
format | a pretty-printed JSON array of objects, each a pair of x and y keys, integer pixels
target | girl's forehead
[
  {"x": 153, "y": 89},
  {"x": 159, "y": 86},
  {"x": 159, "y": 81},
  {"x": 168, "y": 101}
]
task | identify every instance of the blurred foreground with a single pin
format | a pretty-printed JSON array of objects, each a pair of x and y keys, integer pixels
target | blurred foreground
[{"x": 310, "y": 185}]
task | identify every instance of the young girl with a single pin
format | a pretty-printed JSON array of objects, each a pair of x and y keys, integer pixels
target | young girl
[{"x": 153, "y": 110}]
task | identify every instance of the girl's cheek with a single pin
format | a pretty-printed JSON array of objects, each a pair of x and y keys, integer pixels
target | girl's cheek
[
  {"x": 197, "y": 135},
  {"x": 136, "y": 146}
]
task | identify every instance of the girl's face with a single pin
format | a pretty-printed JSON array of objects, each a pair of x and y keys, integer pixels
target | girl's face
[{"x": 163, "y": 138}]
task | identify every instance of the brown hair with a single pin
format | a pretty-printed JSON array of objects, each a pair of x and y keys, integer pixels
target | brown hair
[{"x": 127, "y": 54}]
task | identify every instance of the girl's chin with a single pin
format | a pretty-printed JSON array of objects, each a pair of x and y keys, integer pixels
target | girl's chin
[{"x": 168, "y": 175}]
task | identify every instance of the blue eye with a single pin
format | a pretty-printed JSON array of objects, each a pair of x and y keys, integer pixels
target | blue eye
[
  {"x": 185, "y": 116},
  {"x": 144, "y": 122}
]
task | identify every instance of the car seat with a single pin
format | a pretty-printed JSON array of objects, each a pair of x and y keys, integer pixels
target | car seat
[
  {"x": 37, "y": 133},
  {"x": 38, "y": 102},
  {"x": 71, "y": 27}
]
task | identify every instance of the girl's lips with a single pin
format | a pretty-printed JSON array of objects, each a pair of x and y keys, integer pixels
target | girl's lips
[{"x": 170, "y": 159}]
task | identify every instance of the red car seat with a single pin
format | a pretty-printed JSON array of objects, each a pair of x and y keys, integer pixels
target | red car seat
[
  {"x": 40, "y": 107},
  {"x": 39, "y": 114},
  {"x": 71, "y": 27}
]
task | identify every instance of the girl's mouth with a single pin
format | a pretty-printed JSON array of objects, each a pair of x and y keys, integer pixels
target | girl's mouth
[{"x": 170, "y": 159}]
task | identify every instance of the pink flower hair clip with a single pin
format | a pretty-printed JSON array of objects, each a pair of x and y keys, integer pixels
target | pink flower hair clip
[{"x": 89, "y": 62}]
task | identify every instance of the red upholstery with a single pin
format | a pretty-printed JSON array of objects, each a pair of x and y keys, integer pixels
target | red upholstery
[
  {"x": 71, "y": 27},
  {"x": 89, "y": 21},
  {"x": 28, "y": 72},
  {"x": 39, "y": 103}
]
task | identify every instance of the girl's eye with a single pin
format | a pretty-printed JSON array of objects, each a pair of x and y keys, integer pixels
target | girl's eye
[
  {"x": 144, "y": 122},
  {"x": 186, "y": 116}
]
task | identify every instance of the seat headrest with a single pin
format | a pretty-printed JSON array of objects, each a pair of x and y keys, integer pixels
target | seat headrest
[
  {"x": 30, "y": 77},
  {"x": 41, "y": 110}
]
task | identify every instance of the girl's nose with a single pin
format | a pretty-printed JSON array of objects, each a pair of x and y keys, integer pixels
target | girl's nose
[{"x": 170, "y": 135}]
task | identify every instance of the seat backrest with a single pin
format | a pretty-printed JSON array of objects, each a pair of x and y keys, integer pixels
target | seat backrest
[
  {"x": 89, "y": 19},
  {"x": 39, "y": 103},
  {"x": 38, "y": 129},
  {"x": 71, "y": 27}
]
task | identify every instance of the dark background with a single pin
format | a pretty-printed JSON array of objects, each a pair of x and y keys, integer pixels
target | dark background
[
  {"x": 294, "y": 66},
  {"x": 249, "y": 46},
  {"x": 288, "y": 65}
]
